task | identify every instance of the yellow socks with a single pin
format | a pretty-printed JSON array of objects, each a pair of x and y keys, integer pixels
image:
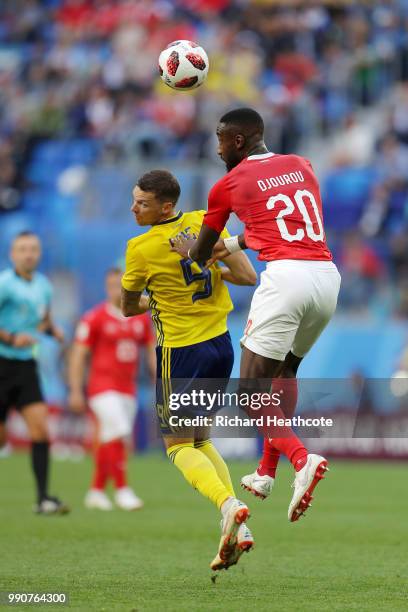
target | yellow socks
[
  {"x": 209, "y": 450},
  {"x": 199, "y": 471}
]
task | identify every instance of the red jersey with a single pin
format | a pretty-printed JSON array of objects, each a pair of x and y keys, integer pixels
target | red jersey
[
  {"x": 278, "y": 199},
  {"x": 114, "y": 343}
]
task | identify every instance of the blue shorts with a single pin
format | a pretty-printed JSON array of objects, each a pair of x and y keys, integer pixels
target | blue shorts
[{"x": 177, "y": 368}]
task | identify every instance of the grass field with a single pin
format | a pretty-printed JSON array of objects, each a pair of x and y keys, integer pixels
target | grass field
[{"x": 349, "y": 553}]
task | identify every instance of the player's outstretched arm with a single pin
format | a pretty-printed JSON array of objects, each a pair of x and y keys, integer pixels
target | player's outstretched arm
[
  {"x": 220, "y": 250},
  {"x": 202, "y": 248},
  {"x": 238, "y": 270},
  {"x": 133, "y": 303},
  {"x": 196, "y": 249}
]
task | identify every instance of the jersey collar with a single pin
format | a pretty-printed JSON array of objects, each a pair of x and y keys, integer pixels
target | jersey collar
[
  {"x": 114, "y": 311},
  {"x": 172, "y": 219},
  {"x": 260, "y": 156},
  {"x": 22, "y": 278}
]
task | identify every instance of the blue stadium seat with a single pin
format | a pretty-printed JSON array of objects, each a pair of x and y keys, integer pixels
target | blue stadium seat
[
  {"x": 345, "y": 192},
  {"x": 66, "y": 152},
  {"x": 44, "y": 173}
]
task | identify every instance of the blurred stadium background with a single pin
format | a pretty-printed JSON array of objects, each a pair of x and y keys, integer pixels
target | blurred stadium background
[{"x": 83, "y": 114}]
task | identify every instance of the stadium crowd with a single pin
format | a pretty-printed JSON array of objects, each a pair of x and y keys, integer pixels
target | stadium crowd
[{"x": 85, "y": 71}]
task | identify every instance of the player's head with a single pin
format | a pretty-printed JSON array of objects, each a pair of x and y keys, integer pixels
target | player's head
[
  {"x": 239, "y": 132},
  {"x": 155, "y": 197},
  {"x": 25, "y": 252},
  {"x": 113, "y": 285}
]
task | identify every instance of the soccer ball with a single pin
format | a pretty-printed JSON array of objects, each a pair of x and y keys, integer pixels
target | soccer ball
[{"x": 183, "y": 65}]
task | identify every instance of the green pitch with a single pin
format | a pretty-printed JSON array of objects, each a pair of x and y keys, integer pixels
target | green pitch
[{"x": 349, "y": 553}]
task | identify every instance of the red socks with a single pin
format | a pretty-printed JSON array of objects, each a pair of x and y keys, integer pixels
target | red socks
[
  {"x": 101, "y": 473},
  {"x": 293, "y": 448},
  {"x": 288, "y": 391},
  {"x": 110, "y": 462},
  {"x": 118, "y": 463},
  {"x": 269, "y": 461},
  {"x": 290, "y": 446}
]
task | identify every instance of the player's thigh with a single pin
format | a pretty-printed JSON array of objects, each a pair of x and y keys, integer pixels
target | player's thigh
[
  {"x": 319, "y": 313},
  {"x": 276, "y": 310},
  {"x": 254, "y": 366},
  {"x": 180, "y": 370},
  {"x": 164, "y": 389},
  {"x": 130, "y": 407},
  {"x": 215, "y": 357},
  {"x": 112, "y": 411},
  {"x": 35, "y": 416}
]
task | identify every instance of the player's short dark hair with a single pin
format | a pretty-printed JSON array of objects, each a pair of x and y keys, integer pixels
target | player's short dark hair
[
  {"x": 24, "y": 234},
  {"x": 245, "y": 118},
  {"x": 113, "y": 270},
  {"x": 162, "y": 183}
]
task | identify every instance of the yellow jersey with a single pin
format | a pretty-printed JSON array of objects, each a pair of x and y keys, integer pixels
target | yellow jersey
[{"x": 189, "y": 304}]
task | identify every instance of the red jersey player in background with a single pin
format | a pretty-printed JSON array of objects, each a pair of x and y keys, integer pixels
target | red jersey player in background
[
  {"x": 278, "y": 199},
  {"x": 111, "y": 344}
]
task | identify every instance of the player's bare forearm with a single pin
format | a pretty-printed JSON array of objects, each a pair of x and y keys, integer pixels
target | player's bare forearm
[
  {"x": 48, "y": 327},
  {"x": 77, "y": 367},
  {"x": 46, "y": 324},
  {"x": 6, "y": 337},
  {"x": 77, "y": 362},
  {"x": 202, "y": 249},
  {"x": 220, "y": 251},
  {"x": 133, "y": 303},
  {"x": 239, "y": 270},
  {"x": 241, "y": 241}
]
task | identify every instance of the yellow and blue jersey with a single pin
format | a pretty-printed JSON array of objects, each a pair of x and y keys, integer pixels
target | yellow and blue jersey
[
  {"x": 189, "y": 303},
  {"x": 23, "y": 305}
]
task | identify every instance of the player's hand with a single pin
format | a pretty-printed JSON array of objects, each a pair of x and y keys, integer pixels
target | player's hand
[
  {"x": 58, "y": 334},
  {"x": 219, "y": 252},
  {"x": 181, "y": 245},
  {"x": 77, "y": 401},
  {"x": 23, "y": 340}
]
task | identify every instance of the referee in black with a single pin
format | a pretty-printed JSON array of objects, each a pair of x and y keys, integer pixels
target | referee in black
[{"x": 25, "y": 297}]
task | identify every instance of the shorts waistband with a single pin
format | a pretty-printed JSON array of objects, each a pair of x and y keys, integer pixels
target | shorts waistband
[
  {"x": 16, "y": 361},
  {"x": 322, "y": 264}
]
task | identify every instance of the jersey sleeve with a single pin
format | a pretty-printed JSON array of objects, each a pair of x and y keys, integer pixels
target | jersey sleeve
[
  {"x": 87, "y": 330},
  {"x": 135, "y": 276},
  {"x": 219, "y": 206}
]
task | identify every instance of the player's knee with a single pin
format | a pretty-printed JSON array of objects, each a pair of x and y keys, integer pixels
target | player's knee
[
  {"x": 37, "y": 426},
  {"x": 38, "y": 433}
]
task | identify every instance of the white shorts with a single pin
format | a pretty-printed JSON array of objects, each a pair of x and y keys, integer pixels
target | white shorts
[
  {"x": 291, "y": 307},
  {"x": 115, "y": 413}
]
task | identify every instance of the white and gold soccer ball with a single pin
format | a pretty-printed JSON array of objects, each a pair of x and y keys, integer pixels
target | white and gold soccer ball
[{"x": 183, "y": 65}]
